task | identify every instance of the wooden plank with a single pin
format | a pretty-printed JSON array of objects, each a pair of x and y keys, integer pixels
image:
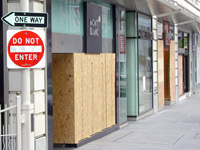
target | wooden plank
[
  {"x": 180, "y": 70},
  {"x": 63, "y": 98},
  {"x": 104, "y": 104},
  {"x": 172, "y": 71},
  {"x": 97, "y": 101},
  {"x": 113, "y": 120},
  {"x": 109, "y": 89},
  {"x": 78, "y": 96},
  {"x": 160, "y": 74},
  {"x": 87, "y": 97}
]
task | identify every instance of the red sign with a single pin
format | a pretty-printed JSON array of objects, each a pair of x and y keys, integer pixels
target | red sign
[
  {"x": 122, "y": 44},
  {"x": 25, "y": 49}
]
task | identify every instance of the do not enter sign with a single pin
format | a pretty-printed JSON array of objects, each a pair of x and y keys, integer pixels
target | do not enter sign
[{"x": 25, "y": 49}]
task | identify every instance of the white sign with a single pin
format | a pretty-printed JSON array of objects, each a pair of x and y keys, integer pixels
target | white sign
[
  {"x": 25, "y": 49},
  {"x": 26, "y": 19}
]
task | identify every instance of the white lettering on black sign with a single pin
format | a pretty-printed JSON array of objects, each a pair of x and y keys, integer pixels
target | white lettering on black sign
[{"x": 94, "y": 26}]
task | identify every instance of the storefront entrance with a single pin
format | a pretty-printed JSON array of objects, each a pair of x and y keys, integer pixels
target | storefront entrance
[
  {"x": 139, "y": 66},
  {"x": 184, "y": 73}
]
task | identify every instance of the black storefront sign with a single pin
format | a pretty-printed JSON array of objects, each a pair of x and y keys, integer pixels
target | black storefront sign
[{"x": 93, "y": 28}]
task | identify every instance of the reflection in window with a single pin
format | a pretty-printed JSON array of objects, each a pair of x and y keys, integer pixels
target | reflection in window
[
  {"x": 186, "y": 41},
  {"x": 144, "y": 22},
  {"x": 67, "y": 17},
  {"x": 145, "y": 75},
  {"x": 171, "y": 31},
  {"x": 180, "y": 39},
  {"x": 160, "y": 30}
]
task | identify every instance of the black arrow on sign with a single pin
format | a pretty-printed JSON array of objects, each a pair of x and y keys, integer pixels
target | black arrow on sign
[{"x": 26, "y": 19}]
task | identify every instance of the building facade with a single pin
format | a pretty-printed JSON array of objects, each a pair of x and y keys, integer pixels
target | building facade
[{"x": 107, "y": 62}]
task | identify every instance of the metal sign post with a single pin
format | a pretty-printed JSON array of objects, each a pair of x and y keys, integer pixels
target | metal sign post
[{"x": 27, "y": 107}]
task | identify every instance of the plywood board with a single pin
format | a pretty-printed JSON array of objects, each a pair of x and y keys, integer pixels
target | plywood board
[
  {"x": 103, "y": 91},
  {"x": 63, "y": 98},
  {"x": 78, "y": 96},
  {"x": 160, "y": 73},
  {"x": 172, "y": 71},
  {"x": 180, "y": 75},
  {"x": 83, "y": 95},
  {"x": 96, "y": 94},
  {"x": 113, "y": 120},
  {"x": 110, "y": 99},
  {"x": 87, "y": 96}
]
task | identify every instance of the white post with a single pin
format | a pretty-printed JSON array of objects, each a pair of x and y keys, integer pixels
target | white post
[
  {"x": 27, "y": 107},
  {"x": 19, "y": 131}
]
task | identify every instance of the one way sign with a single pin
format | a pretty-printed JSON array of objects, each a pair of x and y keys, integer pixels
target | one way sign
[{"x": 26, "y": 19}]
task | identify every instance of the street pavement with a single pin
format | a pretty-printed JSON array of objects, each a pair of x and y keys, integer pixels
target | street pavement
[{"x": 176, "y": 127}]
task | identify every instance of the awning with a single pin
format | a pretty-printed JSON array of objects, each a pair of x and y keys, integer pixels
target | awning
[{"x": 165, "y": 10}]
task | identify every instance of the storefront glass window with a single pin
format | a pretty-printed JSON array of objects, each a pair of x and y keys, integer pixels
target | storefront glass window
[
  {"x": 131, "y": 24},
  {"x": 132, "y": 64},
  {"x": 180, "y": 39},
  {"x": 145, "y": 66},
  {"x": 123, "y": 65},
  {"x": 186, "y": 41},
  {"x": 145, "y": 75},
  {"x": 132, "y": 77},
  {"x": 67, "y": 17},
  {"x": 160, "y": 30},
  {"x": 144, "y": 23},
  {"x": 171, "y": 31}
]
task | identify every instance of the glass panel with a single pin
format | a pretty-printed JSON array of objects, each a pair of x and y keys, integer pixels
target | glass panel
[
  {"x": 186, "y": 41},
  {"x": 131, "y": 24},
  {"x": 107, "y": 21},
  {"x": 67, "y": 17},
  {"x": 145, "y": 75},
  {"x": 180, "y": 39},
  {"x": 160, "y": 30},
  {"x": 132, "y": 77},
  {"x": 144, "y": 22},
  {"x": 171, "y": 31},
  {"x": 122, "y": 60}
]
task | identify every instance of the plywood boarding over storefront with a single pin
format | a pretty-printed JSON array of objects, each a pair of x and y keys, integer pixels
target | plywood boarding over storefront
[
  {"x": 93, "y": 100},
  {"x": 160, "y": 73},
  {"x": 172, "y": 71},
  {"x": 63, "y": 96},
  {"x": 180, "y": 74}
]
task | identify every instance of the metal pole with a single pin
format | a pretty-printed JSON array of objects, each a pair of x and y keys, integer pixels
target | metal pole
[
  {"x": 19, "y": 131},
  {"x": 27, "y": 107}
]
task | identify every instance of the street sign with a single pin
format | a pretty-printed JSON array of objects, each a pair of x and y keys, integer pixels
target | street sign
[
  {"x": 25, "y": 19},
  {"x": 25, "y": 49}
]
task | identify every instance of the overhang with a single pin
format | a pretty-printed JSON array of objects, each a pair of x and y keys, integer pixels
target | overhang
[{"x": 168, "y": 10}]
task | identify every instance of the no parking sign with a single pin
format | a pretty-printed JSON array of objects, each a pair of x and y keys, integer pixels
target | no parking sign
[{"x": 25, "y": 49}]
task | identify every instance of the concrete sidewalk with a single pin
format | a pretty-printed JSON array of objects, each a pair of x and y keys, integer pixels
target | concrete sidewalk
[{"x": 177, "y": 127}]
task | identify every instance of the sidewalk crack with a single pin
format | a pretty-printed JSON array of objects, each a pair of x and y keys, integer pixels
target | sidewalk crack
[
  {"x": 178, "y": 139},
  {"x": 123, "y": 136},
  {"x": 195, "y": 135}
]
